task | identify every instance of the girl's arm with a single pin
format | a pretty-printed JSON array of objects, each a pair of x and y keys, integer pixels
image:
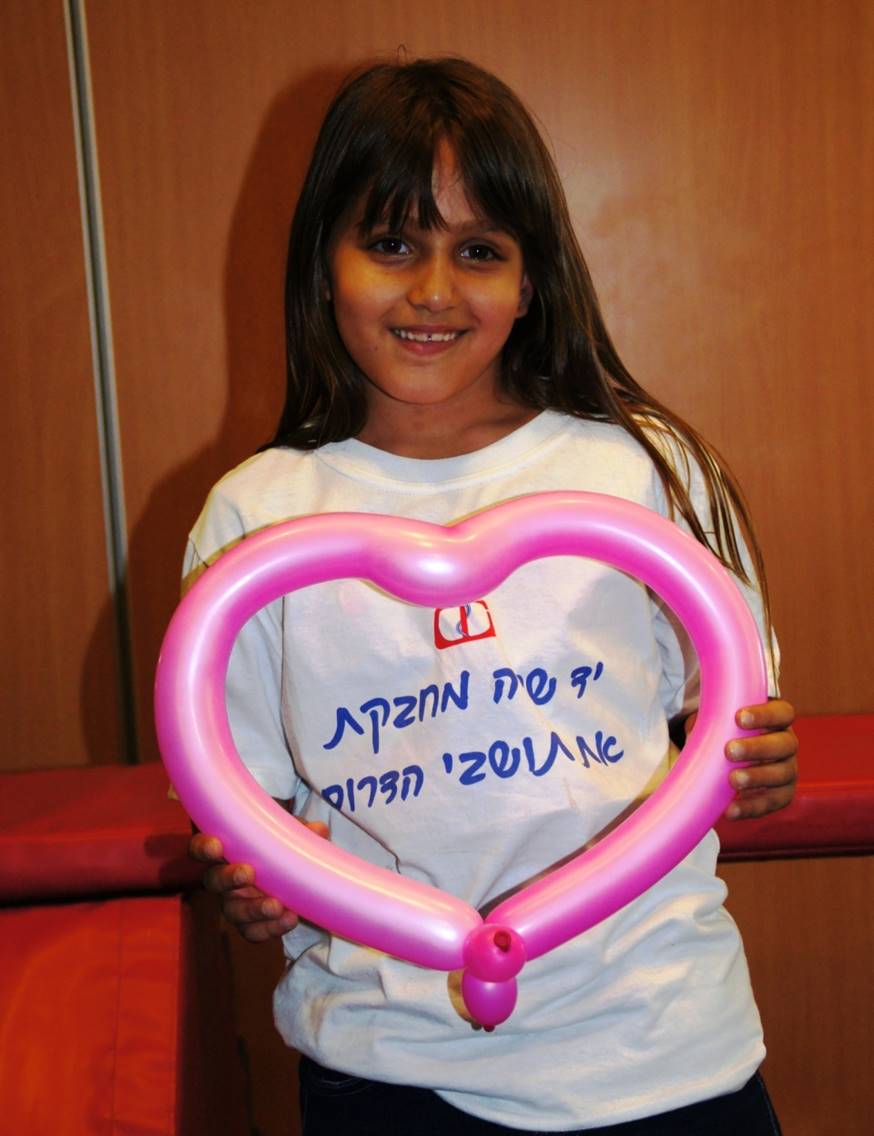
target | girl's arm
[{"x": 767, "y": 781}]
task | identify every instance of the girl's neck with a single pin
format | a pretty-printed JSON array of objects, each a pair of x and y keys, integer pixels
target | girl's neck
[{"x": 429, "y": 432}]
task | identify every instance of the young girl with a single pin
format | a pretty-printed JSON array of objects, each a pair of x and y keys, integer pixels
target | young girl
[{"x": 446, "y": 353}]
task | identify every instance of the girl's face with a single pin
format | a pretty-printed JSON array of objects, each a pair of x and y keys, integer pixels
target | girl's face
[{"x": 425, "y": 314}]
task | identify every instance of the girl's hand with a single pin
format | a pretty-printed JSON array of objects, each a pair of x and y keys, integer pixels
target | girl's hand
[
  {"x": 768, "y": 782},
  {"x": 256, "y": 916}
]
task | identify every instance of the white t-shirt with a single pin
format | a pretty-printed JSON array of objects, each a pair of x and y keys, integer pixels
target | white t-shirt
[{"x": 471, "y": 749}]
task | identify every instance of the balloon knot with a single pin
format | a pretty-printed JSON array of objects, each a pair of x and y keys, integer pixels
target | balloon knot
[{"x": 494, "y": 953}]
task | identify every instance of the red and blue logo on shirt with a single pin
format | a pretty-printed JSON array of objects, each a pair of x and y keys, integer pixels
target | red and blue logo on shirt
[{"x": 467, "y": 624}]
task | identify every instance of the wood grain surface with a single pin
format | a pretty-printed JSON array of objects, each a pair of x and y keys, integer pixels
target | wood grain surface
[{"x": 58, "y": 694}]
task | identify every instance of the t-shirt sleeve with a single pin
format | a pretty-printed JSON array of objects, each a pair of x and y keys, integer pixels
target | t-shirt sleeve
[
  {"x": 680, "y": 685},
  {"x": 254, "y": 681}
]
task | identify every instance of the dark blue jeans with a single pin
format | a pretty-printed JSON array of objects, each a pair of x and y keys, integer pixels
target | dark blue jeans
[{"x": 333, "y": 1104}]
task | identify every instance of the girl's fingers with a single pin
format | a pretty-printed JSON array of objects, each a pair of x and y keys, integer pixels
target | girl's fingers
[
  {"x": 206, "y": 849},
  {"x": 758, "y": 803},
  {"x": 256, "y": 916},
  {"x": 228, "y": 877},
  {"x": 767, "y": 781},
  {"x": 772, "y": 775},
  {"x": 775, "y": 714},
  {"x": 240, "y": 909},
  {"x": 262, "y": 930},
  {"x": 779, "y": 746}
]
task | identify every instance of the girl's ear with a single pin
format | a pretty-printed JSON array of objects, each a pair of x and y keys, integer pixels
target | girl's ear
[{"x": 526, "y": 295}]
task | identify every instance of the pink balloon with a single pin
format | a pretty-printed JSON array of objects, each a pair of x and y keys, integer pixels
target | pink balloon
[{"x": 448, "y": 567}]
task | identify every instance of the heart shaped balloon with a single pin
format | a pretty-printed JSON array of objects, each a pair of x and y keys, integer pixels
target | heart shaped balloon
[{"x": 447, "y": 567}]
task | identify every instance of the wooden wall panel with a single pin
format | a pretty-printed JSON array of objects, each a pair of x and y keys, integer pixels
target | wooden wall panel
[
  {"x": 57, "y": 683},
  {"x": 729, "y": 223},
  {"x": 808, "y": 927}
]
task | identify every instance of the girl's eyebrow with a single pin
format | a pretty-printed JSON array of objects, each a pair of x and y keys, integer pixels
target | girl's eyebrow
[{"x": 481, "y": 225}]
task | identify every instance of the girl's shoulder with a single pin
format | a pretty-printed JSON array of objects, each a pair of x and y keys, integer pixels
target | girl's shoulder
[
  {"x": 609, "y": 436},
  {"x": 613, "y": 442},
  {"x": 246, "y": 484},
  {"x": 667, "y": 439},
  {"x": 259, "y": 492}
]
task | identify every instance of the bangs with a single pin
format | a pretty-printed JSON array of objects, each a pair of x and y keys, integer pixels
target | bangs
[
  {"x": 394, "y": 177},
  {"x": 401, "y": 185}
]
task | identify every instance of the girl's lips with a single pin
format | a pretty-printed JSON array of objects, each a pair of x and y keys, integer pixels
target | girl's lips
[
  {"x": 433, "y": 335},
  {"x": 424, "y": 342}
]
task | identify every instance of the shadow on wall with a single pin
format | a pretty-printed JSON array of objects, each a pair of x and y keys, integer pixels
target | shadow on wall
[{"x": 253, "y": 303}]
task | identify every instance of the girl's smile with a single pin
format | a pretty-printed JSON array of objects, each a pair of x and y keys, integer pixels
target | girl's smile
[
  {"x": 426, "y": 337},
  {"x": 425, "y": 315}
]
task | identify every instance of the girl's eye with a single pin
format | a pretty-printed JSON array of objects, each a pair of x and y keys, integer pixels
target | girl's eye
[
  {"x": 390, "y": 246},
  {"x": 480, "y": 253}
]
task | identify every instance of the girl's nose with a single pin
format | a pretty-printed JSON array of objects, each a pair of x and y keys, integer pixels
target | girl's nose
[{"x": 433, "y": 286}]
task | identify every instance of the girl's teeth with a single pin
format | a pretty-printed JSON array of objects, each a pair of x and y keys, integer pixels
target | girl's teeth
[{"x": 427, "y": 336}]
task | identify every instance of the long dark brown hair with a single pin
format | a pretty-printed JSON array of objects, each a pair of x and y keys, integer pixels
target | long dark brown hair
[{"x": 377, "y": 146}]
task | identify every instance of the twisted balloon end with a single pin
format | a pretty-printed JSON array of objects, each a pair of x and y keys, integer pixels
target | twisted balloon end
[
  {"x": 488, "y": 1003},
  {"x": 493, "y": 955}
]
